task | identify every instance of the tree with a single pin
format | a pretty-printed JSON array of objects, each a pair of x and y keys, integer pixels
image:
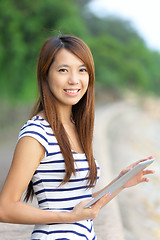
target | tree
[{"x": 25, "y": 25}]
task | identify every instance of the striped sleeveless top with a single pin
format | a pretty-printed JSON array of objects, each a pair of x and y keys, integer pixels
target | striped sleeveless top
[{"x": 50, "y": 194}]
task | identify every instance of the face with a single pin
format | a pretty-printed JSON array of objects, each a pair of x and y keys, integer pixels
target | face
[{"x": 68, "y": 78}]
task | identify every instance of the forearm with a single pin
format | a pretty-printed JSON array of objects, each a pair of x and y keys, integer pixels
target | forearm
[
  {"x": 111, "y": 197},
  {"x": 21, "y": 213},
  {"x": 98, "y": 192}
]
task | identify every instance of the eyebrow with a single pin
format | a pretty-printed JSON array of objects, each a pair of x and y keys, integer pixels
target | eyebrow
[{"x": 65, "y": 65}]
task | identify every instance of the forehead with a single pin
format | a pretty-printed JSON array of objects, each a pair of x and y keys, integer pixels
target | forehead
[{"x": 64, "y": 56}]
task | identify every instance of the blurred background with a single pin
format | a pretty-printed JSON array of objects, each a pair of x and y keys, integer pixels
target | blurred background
[
  {"x": 123, "y": 58},
  {"x": 124, "y": 37}
]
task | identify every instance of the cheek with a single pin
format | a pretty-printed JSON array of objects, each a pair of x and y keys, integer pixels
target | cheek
[
  {"x": 85, "y": 80},
  {"x": 53, "y": 84}
]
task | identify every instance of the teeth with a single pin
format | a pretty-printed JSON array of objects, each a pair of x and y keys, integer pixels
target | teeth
[{"x": 72, "y": 91}]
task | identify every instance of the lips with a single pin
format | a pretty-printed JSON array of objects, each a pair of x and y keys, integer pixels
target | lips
[{"x": 71, "y": 90}]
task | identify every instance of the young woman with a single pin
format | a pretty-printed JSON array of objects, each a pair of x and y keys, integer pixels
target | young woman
[{"x": 53, "y": 156}]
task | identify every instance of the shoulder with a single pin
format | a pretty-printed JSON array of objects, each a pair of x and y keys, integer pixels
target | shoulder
[
  {"x": 34, "y": 125},
  {"x": 36, "y": 128}
]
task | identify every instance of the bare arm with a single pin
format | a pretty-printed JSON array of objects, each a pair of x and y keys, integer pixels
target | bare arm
[{"x": 27, "y": 156}]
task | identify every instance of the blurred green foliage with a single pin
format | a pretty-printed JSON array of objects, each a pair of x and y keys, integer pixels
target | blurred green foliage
[{"x": 122, "y": 59}]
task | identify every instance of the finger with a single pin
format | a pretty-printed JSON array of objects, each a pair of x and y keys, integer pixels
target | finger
[
  {"x": 135, "y": 163},
  {"x": 145, "y": 180},
  {"x": 145, "y": 172},
  {"x": 143, "y": 160},
  {"x": 151, "y": 157},
  {"x": 87, "y": 201}
]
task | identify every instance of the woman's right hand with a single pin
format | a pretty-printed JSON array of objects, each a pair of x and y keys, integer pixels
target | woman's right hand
[{"x": 80, "y": 213}]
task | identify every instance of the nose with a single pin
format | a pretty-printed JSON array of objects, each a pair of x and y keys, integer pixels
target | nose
[{"x": 73, "y": 78}]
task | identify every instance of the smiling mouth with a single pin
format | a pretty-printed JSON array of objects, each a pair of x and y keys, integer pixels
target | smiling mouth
[{"x": 72, "y": 91}]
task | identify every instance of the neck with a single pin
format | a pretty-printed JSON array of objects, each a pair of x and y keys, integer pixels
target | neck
[{"x": 65, "y": 114}]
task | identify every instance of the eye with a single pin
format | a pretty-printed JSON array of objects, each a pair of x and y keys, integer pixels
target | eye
[
  {"x": 83, "y": 70},
  {"x": 62, "y": 70}
]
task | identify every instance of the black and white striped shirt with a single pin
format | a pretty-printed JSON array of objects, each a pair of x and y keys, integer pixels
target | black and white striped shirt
[{"x": 50, "y": 194}]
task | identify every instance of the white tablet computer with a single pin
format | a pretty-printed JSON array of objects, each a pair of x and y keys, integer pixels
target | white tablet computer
[{"x": 121, "y": 181}]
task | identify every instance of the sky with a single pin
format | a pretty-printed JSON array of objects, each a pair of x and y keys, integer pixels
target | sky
[{"x": 143, "y": 14}]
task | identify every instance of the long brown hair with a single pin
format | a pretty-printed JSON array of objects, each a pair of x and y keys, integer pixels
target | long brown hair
[{"x": 83, "y": 111}]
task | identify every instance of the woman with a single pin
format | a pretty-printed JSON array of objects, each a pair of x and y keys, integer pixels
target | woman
[{"x": 53, "y": 156}]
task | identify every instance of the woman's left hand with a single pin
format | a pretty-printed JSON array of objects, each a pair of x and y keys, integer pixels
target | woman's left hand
[{"x": 140, "y": 177}]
